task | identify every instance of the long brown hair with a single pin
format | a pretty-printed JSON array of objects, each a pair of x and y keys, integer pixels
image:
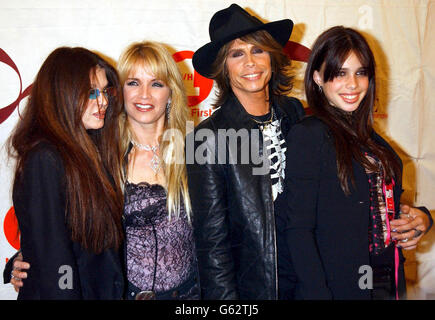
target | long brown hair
[
  {"x": 54, "y": 113},
  {"x": 352, "y": 132},
  {"x": 281, "y": 80}
]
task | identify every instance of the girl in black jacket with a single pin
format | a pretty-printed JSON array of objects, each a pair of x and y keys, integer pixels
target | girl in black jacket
[
  {"x": 68, "y": 208},
  {"x": 343, "y": 182}
]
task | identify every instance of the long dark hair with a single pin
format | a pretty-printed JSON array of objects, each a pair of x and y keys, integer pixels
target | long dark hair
[
  {"x": 352, "y": 132},
  {"x": 281, "y": 80},
  {"x": 54, "y": 113}
]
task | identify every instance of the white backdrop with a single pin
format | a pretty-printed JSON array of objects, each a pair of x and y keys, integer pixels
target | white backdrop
[{"x": 399, "y": 31}]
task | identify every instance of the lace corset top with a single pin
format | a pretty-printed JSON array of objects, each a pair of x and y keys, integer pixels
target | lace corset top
[{"x": 160, "y": 252}]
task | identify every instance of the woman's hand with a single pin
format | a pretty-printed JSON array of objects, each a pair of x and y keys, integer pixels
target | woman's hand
[
  {"x": 17, "y": 274},
  {"x": 410, "y": 227}
]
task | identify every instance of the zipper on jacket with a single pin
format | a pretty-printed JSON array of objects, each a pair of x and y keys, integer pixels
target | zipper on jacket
[
  {"x": 274, "y": 243},
  {"x": 273, "y": 227}
]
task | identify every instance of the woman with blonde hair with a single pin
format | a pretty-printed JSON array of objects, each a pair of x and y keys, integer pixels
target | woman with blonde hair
[{"x": 160, "y": 259}]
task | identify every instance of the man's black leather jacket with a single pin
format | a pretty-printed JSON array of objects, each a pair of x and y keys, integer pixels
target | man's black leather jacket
[{"x": 233, "y": 209}]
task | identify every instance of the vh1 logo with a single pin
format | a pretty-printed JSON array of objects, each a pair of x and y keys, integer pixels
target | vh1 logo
[{"x": 197, "y": 87}]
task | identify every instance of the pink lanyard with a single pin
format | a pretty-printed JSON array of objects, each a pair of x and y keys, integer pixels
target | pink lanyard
[{"x": 389, "y": 203}]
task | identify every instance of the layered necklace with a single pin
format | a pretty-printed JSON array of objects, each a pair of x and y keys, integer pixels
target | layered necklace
[
  {"x": 265, "y": 124},
  {"x": 155, "y": 160}
]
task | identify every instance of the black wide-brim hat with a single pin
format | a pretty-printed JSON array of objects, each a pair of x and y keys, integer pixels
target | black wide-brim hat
[{"x": 232, "y": 23}]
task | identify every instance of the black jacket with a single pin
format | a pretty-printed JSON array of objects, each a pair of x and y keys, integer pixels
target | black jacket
[
  {"x": 327, "y": 231},
  {"x": 233, "y": 210},
  {"x": 59, "y": 268}
]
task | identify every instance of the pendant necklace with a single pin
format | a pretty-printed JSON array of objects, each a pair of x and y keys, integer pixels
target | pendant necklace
[
  {"x": 265, "y": 124},
  {"x": 155, "y": 160}
]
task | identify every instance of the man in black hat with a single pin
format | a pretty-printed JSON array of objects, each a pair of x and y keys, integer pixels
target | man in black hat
[{"x": 235, "y": 202}]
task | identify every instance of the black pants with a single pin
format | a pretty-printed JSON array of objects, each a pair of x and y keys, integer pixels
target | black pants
[{"x": 384, "y": 277}]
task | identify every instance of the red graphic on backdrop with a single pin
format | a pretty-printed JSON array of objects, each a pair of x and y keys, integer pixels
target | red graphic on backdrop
[
  {"x": 7, "y": 111},
  {"x": 11, "y": 230},
  {"x": 296, "y": 51},
  {"x": 205, "y": 85}
]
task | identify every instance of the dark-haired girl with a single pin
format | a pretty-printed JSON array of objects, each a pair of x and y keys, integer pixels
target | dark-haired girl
[
  {"x": 68, "y": 208},
  {"x": 343, "y": 182}
]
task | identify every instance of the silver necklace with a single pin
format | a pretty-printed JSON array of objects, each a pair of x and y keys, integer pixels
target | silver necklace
[
  {"x": 155, "y": 160},
  {"x": 265, "y": 124}
]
